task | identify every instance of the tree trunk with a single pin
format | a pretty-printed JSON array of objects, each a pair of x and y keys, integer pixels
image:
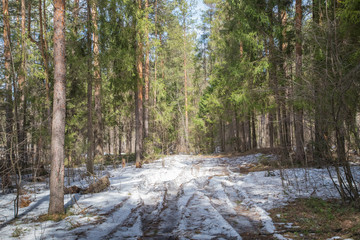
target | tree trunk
[
  {"x": 185, "y": 92},
  {"x": 44, "y": 50},
  {"x": 98, "y": 128},
  {"x": 222, "y": 135},
  {"x": 320, "y": 146},
  {"x": 248, "y": 126},
  {"x": 21, "y": 90},
  {"x": 6, "y": 181},
  {"x": 271, "y": 130},
  {"x": 120, "y": 134},
  {"x": 238, "y": 138},
  {"x": 147, "y": 74},
  {"x": 90, "y": 130},
  {"x": 139, "y": 99},
  {"x": 244, "y": 145},
  {"x": 56, "y": 204},
  {"x": 253, "y": 119},
  {"x": 155, "y": 54},
  {"x": 273, "y": 81},
  {"x": 285, "y": 137},
  {"x": 298, "y": 115}
]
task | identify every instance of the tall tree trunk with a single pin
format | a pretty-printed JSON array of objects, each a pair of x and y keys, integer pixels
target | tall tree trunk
[
  {"x": 185, "y": 92},
  {"x": 253, "y": 119},
  {"x": 238, "y": 138},
  {"x": 120, "y": 134},
  {"x": 284, "y": 116},
  {"x": 56, "y": 204},
  {"x": 273, "y": 81},
  {"x": 6, "y": 181},
  {"x": 147, "y": 74},
  {"x": 298, "y": 115},
  {"x": 139, "y": 99},
  {"x": 244, "y": 145},
  {"x": 21, "y": 90},
  {"x": 223, "y": 135},
  {"x": 271, "y": 130},
  {"x": 90, "y": 130},
  {"x": 155, "y": 53},
  {"x": 320, "y": 146},
  {"x": 248, "y": 126},
  {"x": 98, "y": 128},
  {"x": 44, "y": 53}
]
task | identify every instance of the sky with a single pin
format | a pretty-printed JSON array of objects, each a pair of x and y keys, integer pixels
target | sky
[{"x": 199, "y": 9}]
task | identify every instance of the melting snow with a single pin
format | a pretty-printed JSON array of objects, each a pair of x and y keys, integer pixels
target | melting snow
[{"x": 189, "y": 198}]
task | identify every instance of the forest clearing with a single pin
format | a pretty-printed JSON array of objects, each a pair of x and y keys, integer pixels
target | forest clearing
[
  {"x": 180, "y": 119},
  {"x": 177, "y": 197}
]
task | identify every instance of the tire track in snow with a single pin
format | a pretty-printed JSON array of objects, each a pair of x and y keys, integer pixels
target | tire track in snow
[
  {"x": 164, "y": 220},
  {"x": 199, "y": 219},
  {"x": 130, "y": 227},
  {"x": 268, "y": 227},
  {"x": 231, "y": 211},
  {"x": 203, "y": 200},
  {"x": 116, "y": 216}
]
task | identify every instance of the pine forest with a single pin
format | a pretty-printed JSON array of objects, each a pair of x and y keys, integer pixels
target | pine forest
[{"x": 180, "y": 119}]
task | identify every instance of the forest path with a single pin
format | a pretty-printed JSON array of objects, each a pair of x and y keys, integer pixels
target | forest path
[
  {"x": 178, "y": 197},
  {"x": 187, "y": 198}
]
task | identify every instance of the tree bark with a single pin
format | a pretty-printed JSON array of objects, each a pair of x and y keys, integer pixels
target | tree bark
[
  {"x": 8, "y": 104},
  {"x": 44, "y": 50},
  {"x": 298, "y": 115},
  {"x": 320, "y": 146},
  {"x": 274, "y": 84},
  {"x": 120, "y": 134},
  {"x": 98, "y": 128},
  {"x": 139, "y": 99},
  {"x": 285, "y": 123},
  {"x": 147, "y": 74},
  {"x": 248, "y": 126},
  {"x": 271, "y": 130},
  {"x": 21, "y": 90},
  {"x": 253, "y": 119},
  {"x": 238, "y": 138},
  {"x": 90, "y": 130},
  {"x": 155, "y": 53},
  {"x": 56, "y": 204},
  {"x": 185, "y": 91},
  {"x": 244, "y": 142}
]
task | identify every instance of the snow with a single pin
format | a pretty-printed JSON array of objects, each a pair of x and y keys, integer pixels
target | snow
[{"x": 190, "y": 197}]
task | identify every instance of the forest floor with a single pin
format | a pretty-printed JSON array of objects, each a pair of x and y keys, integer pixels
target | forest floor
[{"x": 177, "y": 197}]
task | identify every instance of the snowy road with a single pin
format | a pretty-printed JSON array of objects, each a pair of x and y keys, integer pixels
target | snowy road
[
  {"x": 189, "y": 198},
  {"x": 179, "y": 197}
]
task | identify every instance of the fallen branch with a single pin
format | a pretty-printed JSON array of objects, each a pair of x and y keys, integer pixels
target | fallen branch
[{"x": 98, "y": 186}]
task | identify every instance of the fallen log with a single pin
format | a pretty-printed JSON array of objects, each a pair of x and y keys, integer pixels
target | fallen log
[
  {"x": 98, "y": 186},
  {"x": 72, "y": 190}
]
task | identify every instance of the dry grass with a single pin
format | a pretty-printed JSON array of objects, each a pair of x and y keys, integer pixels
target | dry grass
[
  {"x": 52, "y": 217},
  {"x": 25, "y": 201},
  {"x": 314, "y": 218}
]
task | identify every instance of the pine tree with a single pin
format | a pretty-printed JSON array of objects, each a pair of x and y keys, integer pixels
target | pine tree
[
  {"x": 56, "y": 204},
  {"x": 98, "y": 126},
  {"x": 139, "y": 90},
  {"x": 298, "y": 118}
]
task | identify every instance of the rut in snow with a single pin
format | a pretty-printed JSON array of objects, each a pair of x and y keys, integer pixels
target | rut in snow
[{"x": 198, "y": 199}]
